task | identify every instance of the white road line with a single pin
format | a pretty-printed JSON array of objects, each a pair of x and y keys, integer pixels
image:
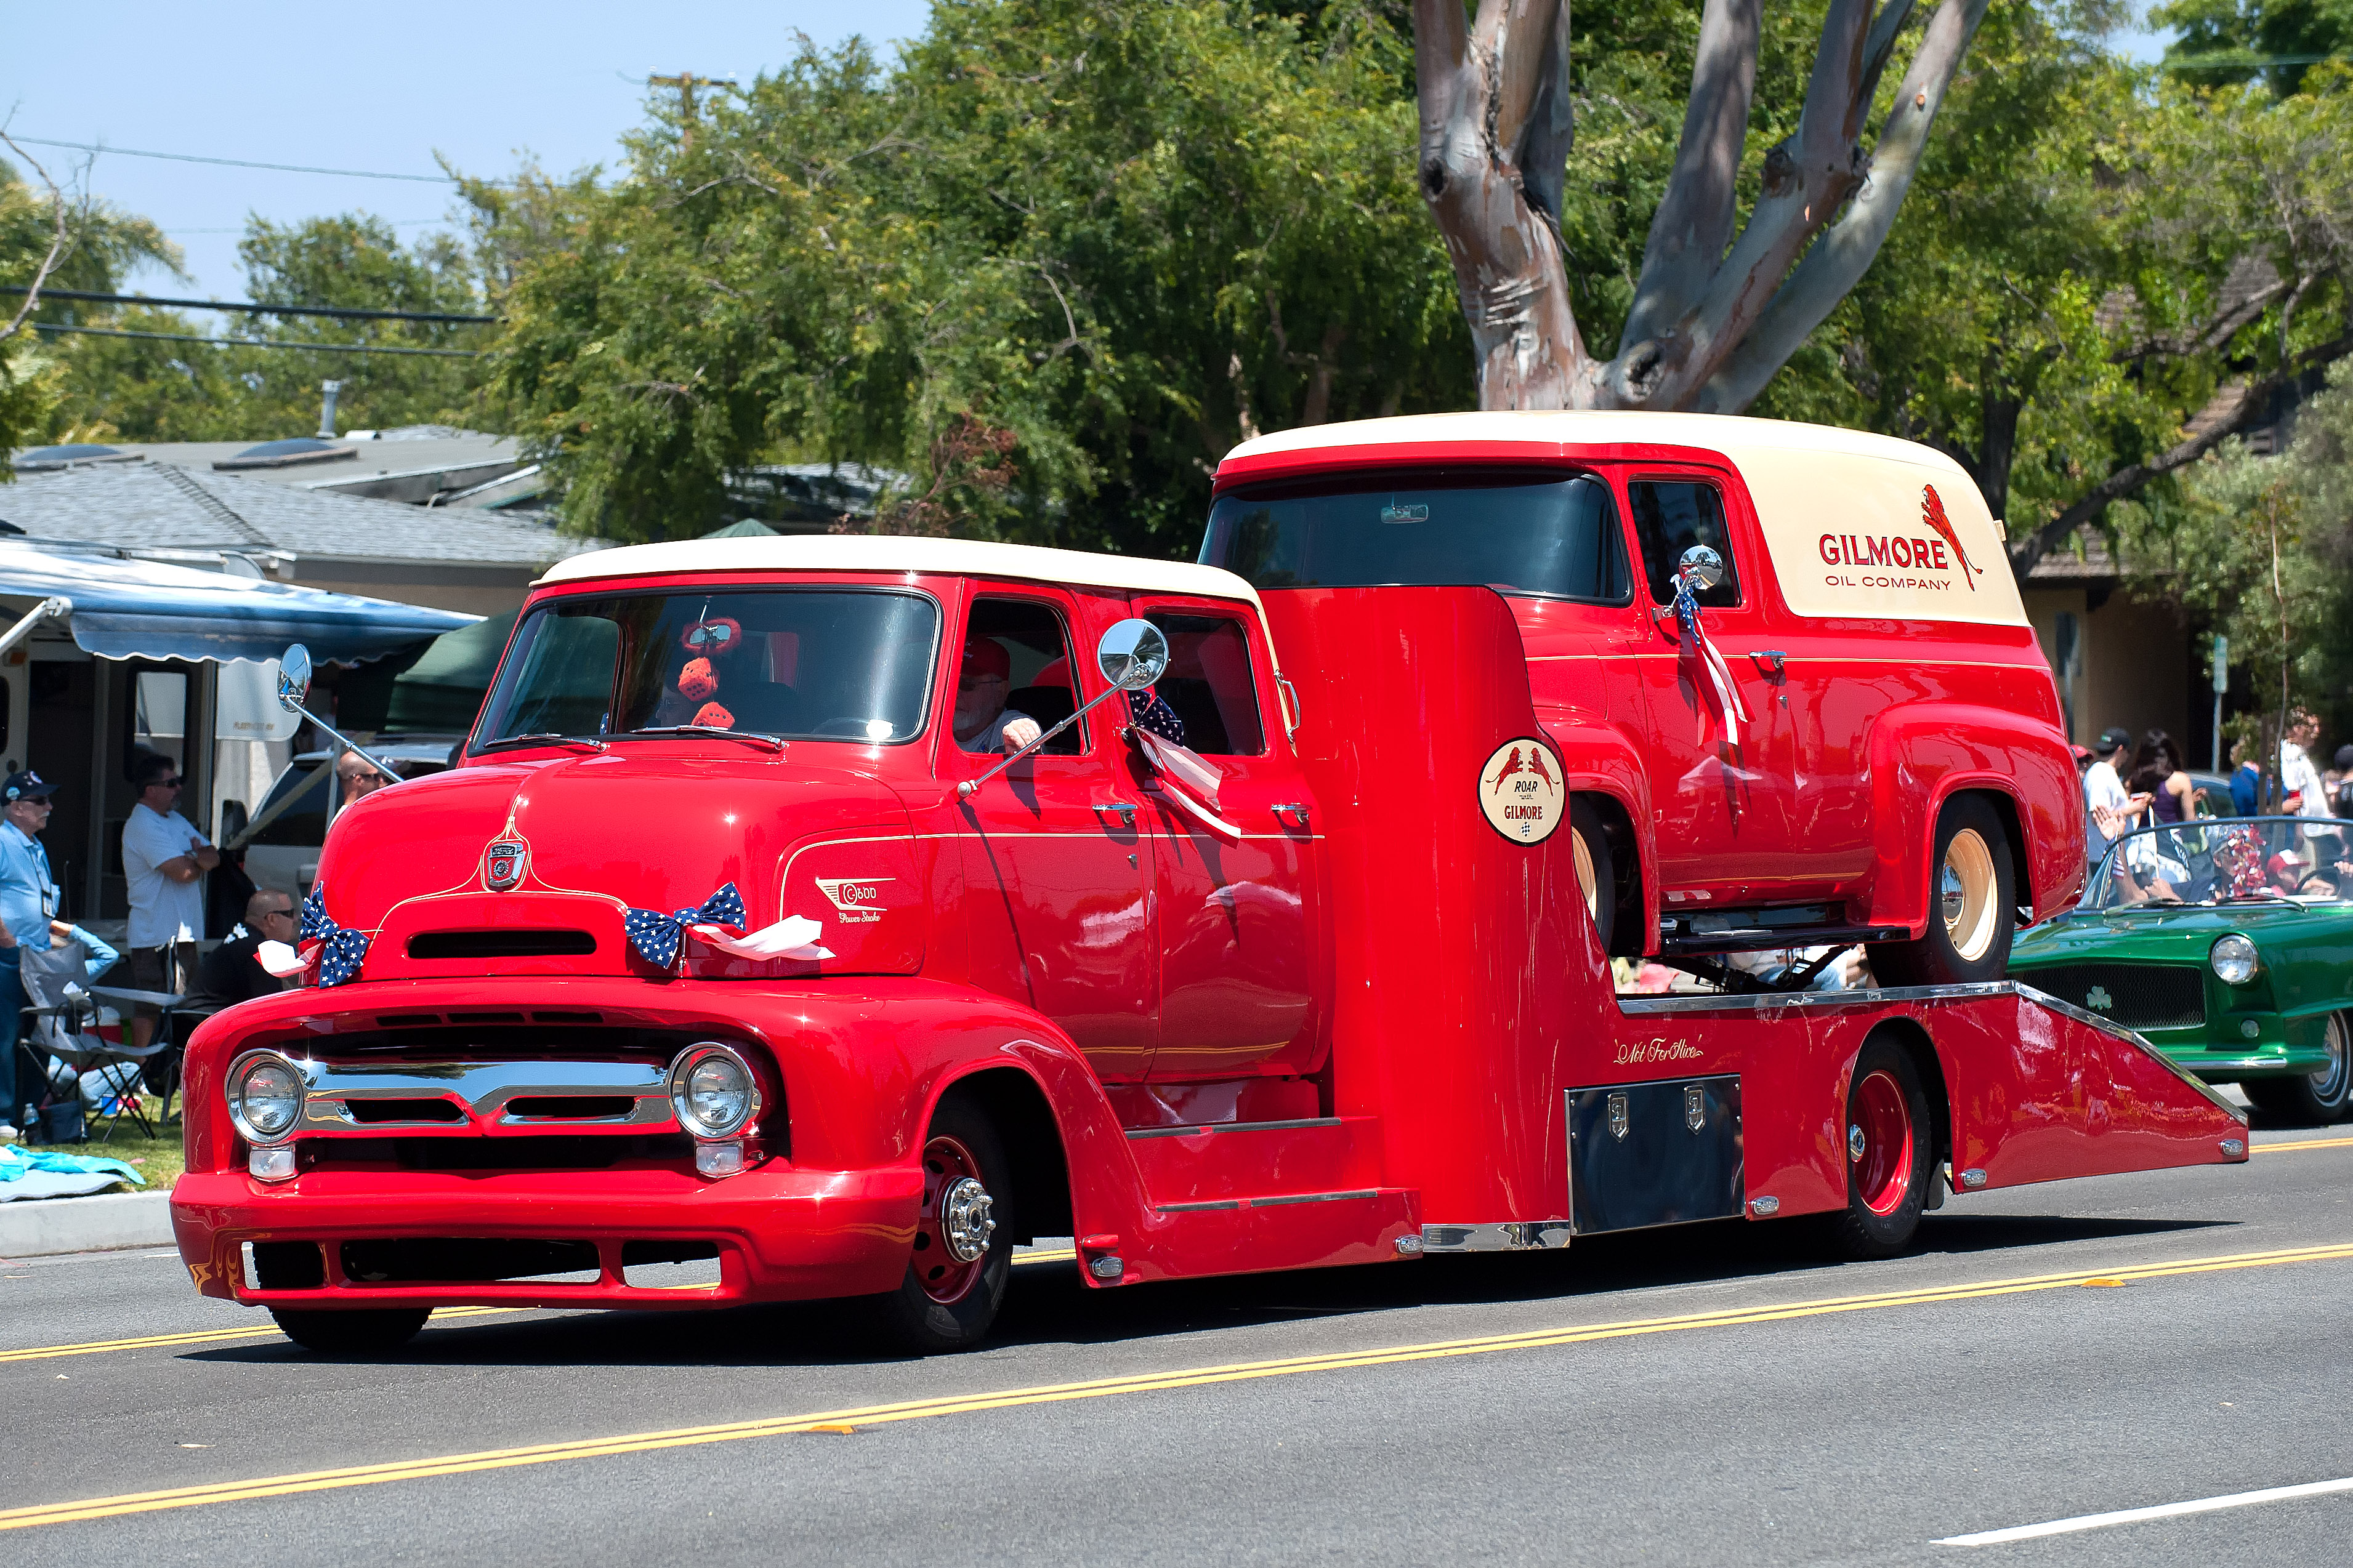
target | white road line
[{"x": 2135, "y": 1515}]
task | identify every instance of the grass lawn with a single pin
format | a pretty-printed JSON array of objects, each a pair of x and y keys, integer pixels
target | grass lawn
[{"x": 159, "y": 1159}]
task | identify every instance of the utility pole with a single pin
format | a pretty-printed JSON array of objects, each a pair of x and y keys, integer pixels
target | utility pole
[
  {"x": 686, "y": 82},
  {"x": 2222, "y": 684}
]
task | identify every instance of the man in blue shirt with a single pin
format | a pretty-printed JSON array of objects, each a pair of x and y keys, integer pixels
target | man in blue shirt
[
  {"x": 29, "y": 901},
  {"x": 2246, "y": 780}
]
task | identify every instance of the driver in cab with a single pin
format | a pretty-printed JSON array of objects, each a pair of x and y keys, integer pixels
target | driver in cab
[{"x": 983, "y": 722}]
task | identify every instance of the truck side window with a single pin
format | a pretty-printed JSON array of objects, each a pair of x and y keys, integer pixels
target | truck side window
[
  {"x": 1208, "y": 684},
  {"x": 1040, "y": 653},
  {"x": 1669, "y": 517}
]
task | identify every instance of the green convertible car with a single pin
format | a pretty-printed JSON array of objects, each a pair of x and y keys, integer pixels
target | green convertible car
[{"x": 2228, "y": 945}]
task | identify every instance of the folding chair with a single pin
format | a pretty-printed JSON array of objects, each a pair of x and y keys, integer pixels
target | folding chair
[{"x": 64, "y": 1017}]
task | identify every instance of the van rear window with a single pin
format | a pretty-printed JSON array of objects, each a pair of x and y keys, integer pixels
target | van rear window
[{"x": 1542, "y": 532}]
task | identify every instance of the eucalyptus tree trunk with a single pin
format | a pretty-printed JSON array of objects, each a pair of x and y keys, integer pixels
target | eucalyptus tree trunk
[{"x": 1714, "y": 313}]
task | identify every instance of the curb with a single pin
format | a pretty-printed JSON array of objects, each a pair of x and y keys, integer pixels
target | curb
[{"x": 38, "y": 1227}]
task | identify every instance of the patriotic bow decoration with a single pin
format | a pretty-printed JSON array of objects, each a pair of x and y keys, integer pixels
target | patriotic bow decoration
[
  {"x": 341, "y": 950},
  {"x": 1695, "y": 643},
  {"x": 1149, "y": 710},
  {"x": 656, "y": 935}
]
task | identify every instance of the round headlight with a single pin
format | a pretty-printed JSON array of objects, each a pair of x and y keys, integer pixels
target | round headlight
[
  {"x": 2234, "y": 960},
  {"x": 712, "y": 1091},
  {"x": 265, "y": 1097}
]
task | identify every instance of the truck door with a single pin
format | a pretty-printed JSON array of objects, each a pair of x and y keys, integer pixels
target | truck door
[
  {"x": 1237, "y": 914},
  {"x": 1056, "y": 873},
  {"x": 1720, "y": 770}
]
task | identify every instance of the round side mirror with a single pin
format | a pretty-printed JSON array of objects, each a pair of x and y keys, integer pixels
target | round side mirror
[
  {"x": 1702, "y": 565},
  {"x": 1132, "y": 654},
  {"x": 294, "y": 677}
]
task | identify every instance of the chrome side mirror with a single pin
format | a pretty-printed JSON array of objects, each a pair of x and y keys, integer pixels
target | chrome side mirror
[
  {"x": 294, "y": 679},
  {"x": 1133, "y": 654},
  {"x": 1700, "y": 566}
]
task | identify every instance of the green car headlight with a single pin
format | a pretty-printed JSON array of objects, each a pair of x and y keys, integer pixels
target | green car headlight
[{"x": 2234, "y": 960}]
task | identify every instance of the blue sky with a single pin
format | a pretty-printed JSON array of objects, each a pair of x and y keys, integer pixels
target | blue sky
[{"x": 382, "y": 89}]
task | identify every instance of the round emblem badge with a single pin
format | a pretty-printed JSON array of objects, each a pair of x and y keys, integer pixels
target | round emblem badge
[{"x": 1521, "y": 792}]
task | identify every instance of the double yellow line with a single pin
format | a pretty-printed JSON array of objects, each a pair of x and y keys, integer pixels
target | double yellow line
[{"x": 851, "y": 1419}]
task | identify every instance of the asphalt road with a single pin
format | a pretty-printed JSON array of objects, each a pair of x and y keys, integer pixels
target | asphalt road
[{"x": 1710, "y": 1395}]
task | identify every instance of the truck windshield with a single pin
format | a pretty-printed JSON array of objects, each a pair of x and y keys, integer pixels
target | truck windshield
[
  {"x": 1531, "y": 533},
  {"x": 807, "y": 664}
]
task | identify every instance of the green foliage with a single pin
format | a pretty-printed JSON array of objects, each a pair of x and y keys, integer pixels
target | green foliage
[
  {"x": 2220, "y": 42},
  {"x": 1128, "y": 236}
]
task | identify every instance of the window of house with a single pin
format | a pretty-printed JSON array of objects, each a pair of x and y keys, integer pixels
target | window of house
[
  {"x": 1037, "y": 681},
  {"x": 1669, "y": 517},
  {"x": 1208, "y": 684}
]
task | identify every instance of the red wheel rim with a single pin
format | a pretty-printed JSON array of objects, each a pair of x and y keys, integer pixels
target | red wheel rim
[
  {"x": 1882, "y": 1171},
  {"x": 944, "y": 1279}
]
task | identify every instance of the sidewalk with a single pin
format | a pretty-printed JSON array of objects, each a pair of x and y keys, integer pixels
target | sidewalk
[{"x": 35, "y": 1227}]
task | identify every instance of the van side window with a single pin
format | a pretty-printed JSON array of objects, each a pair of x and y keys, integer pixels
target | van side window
[
  {"x": 1038, "y": 656},
  {"x": 1669, "y": 517},
  {"x": 1208, "y": 684}
]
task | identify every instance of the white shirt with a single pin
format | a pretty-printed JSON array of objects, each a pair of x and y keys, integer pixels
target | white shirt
[
  {"x": 2102, "y": 787},
  {"x": 162, "y": 911},
  {"x": 2297, "y": 773}
]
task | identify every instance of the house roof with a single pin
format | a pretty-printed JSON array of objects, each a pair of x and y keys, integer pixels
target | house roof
[
  {"x": 887, "y": 553},
  {"x": 165, "y": 509}
]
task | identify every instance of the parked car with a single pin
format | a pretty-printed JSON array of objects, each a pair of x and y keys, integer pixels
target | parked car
[
  {"x": 2226, "y": 942},
  {"x": 1786, "y": 667},
  {"x": 280, "y": 840}
]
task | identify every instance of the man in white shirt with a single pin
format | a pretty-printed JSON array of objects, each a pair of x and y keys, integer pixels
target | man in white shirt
[
  {"x": 2108, "y": 809},
  {"x": 2298, "y": 777},
  {"x": 164, "y": 859}
]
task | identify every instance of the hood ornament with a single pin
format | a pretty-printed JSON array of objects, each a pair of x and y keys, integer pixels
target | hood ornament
[{"x": 503, "y": 863}]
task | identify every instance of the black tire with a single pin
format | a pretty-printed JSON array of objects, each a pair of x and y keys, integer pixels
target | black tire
[
  {"x": 1887, "y": 1181},
  {"x": 2312, "y": 1100},
  {"x": 946, "y": 1303},
  {"x": 1972, "y": 909},
  {"x": 370, "y": 1330},
  {"x": 1592, "y": 846}
]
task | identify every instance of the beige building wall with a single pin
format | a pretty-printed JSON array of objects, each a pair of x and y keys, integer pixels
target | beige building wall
[{"x": 2130, "y": 667}]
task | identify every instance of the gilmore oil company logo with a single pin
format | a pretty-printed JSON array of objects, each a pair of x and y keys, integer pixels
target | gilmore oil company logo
[
  {"x": 1901, "y": 559},
  {"x": 503, "y": 863},
  {"x": 854, "y": 897},
  {"x": 1520, "y": 789}
]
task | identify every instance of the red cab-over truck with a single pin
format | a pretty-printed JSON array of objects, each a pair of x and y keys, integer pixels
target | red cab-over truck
[{"x": 847, "y": 910}]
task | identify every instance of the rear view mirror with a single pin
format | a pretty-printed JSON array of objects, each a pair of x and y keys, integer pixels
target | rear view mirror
[
  {"x": 294, "y": 677},
  {"x": 1701, "y": 565},
  {"x": 1132, "y": 654}
]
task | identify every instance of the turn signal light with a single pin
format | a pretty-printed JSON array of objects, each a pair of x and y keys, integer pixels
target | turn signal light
[
  {"x": 272, "y": 1164},
  {"x": 716, "y": 1160}
]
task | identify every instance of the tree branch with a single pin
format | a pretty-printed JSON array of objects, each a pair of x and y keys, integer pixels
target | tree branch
[
  {"x": 1840, "y": 258},
  {"x": 59, "y": 240},
  {"x": 2253, "y": 398},
  {"x": 1693, "y": 221}
]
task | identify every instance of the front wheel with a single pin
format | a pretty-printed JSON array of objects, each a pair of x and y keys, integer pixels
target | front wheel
[
  {"x": 962, "y": 1252},
  {"x": 1974, "y": 914},
  {"x": 1890, "y": 1154},
  {"x": 2314, "y": 1099},
  {"x": 370, "y": 1330}
]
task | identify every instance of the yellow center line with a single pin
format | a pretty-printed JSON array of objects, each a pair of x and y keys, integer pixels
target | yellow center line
[
  {"x": 1061, "y": 1255},
  {"x": 205, "y": 1336},
  {"x": 2303, "y": 1144},
  {"x": 1146, "y": 1383}
]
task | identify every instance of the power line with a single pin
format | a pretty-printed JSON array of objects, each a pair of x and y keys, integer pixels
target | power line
[
  {"x": 2228, "y": 60},
  {"x": 335, "y": 312},
  {"x": 254, "y": 343},
  {"x": 237, "y": 162}
]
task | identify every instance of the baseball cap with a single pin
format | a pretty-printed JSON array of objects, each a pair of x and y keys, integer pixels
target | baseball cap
[
  {"x": 2345, "y": 759},
  {"x": 987, "y": 656},
  {"x": 27, "y": 786},
  {"x": 2113, "y": 736}
]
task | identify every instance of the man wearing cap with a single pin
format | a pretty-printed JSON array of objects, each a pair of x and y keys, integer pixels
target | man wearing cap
[
  {"x": 28, "y": 900},
  {"x": 983, "y": 722},
  {"x": 164, "y": 859},
  {"x": 2108, "y": 809}
]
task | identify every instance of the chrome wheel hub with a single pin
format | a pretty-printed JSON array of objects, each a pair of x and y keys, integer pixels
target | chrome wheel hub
[
  {"x": 965, "y": 1222},
  {"x": 1855, "y": 1143}
]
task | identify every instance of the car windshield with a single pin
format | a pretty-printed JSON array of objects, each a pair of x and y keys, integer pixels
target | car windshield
[
  {"x": 798, "y": 664},
  {"x": 2226, "y": 860},
  {"x": 1550, "y": 533}
]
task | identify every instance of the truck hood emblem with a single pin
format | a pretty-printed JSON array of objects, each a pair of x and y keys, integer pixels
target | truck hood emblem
[{"x": 503, "y": 863}]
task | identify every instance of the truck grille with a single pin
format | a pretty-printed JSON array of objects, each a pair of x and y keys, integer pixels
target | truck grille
[{"x": 2137, "y": 995}]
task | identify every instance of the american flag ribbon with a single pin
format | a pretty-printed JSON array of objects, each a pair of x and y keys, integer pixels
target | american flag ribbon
[
  {"x": 1149, "y": 710},
  {"x": 340, "y": 950},
  {"x": 656, "y": 936},
  {"x": 1719, "y": 675}
]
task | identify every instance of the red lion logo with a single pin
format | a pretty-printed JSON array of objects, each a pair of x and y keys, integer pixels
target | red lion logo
[
  {"x": 1512, "y": 764},
  {"x": 1931, "y": 514}
]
